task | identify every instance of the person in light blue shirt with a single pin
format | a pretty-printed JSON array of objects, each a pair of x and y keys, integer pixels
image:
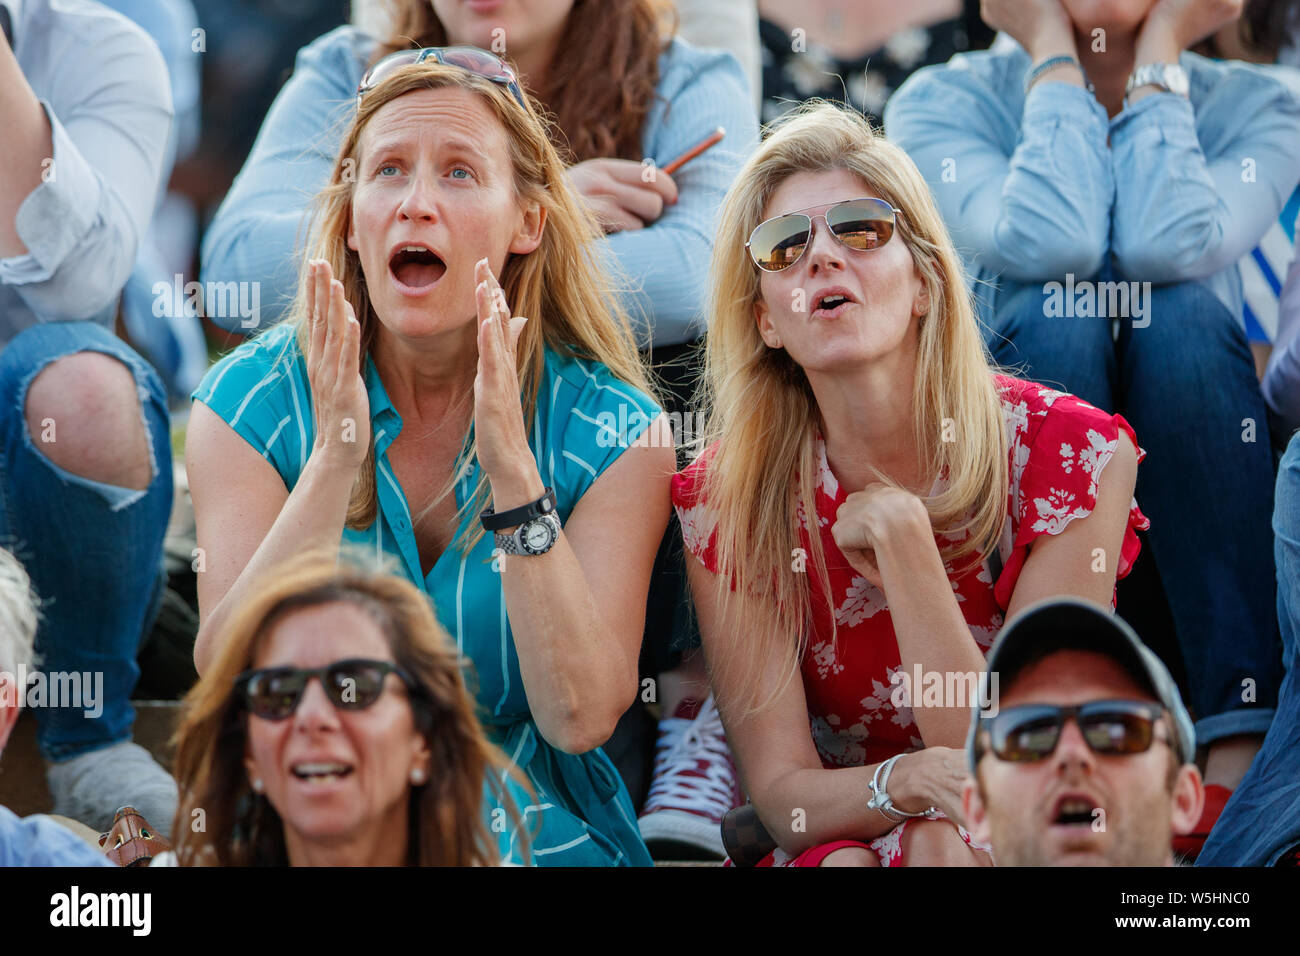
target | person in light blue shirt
[
  {"x": 400, "y": 401},
  {"x": 1103, "y": 219},
  {"x": 168, "y": 334},
  {"x": 35, "y": 840},
  {"x": 1260, "y": 825},
  {"x": 85, "y": 454},
  {"x": 659, "y": 229}
]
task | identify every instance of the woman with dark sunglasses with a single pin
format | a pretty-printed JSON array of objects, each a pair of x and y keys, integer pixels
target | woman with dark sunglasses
[
  {"x": 873, "y": 497},
  {"x": 334, "y": 728},
  {"x": 405, "y": 407}
]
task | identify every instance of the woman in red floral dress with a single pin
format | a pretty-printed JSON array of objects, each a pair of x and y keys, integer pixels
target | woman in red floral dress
[{"x": 846, "y": 379}]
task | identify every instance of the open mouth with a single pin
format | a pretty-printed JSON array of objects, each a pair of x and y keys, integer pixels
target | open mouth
[
  {"x": 416, "y": 268},
  {"x": 831, "y": 303},
  {"x": 321, "y": 772},
  {"x": 1074, "y": 810}
]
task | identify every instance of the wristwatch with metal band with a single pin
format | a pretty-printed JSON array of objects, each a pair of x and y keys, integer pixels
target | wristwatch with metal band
[
  {"x": 1167, "y": 76},
  {"x": 533, "y": 537}
]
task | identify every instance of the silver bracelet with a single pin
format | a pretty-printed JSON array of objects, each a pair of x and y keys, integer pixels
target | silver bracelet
[{"x": 880, "y": 799}]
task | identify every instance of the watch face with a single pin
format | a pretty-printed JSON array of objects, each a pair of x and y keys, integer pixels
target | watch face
[{"x": 538, "y": 536}]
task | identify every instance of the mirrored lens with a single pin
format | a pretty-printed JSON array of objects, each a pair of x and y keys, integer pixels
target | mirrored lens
[
  {"x": 861, "y": 224},
  {"x": 778, "y": 243},
  {"x": 1116, "y": 730},
  {"x": 1026, "y": 736}
]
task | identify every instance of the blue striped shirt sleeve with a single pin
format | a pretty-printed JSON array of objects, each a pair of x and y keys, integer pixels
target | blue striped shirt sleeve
[{"x": 596, "y": 421}]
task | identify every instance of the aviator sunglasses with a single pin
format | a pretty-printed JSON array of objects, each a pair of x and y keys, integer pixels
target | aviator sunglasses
[
  {"x": 1110, "y": 727},
  {"x": 471, "y": 58},
  {"x": 859, "y": 224},
  {"x": 273, "y": 693}
]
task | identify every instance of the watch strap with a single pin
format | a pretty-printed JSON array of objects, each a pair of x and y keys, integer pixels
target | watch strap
[{"x": 494, "y": 521}]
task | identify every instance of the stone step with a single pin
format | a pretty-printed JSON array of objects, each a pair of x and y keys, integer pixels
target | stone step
[{"x": 22, "y": 771}]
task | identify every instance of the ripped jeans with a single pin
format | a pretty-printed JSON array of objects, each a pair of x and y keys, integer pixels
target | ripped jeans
[{"x": 93, "y": 551}]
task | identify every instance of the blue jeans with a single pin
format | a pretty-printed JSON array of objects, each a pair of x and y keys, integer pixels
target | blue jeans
[
  {"x": 1262, "y": 819},
  {"x": 93, "y": 551},
  {"x": 1183, "y": 377}
]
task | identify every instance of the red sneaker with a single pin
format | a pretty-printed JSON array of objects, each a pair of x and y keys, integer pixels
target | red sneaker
[
  {"x": 693, "y": 786},
  {"x": 1188, "y": 845}
]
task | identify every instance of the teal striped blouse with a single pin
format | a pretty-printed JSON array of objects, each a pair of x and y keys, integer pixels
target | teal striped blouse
[{"x": 584, "y": 420}]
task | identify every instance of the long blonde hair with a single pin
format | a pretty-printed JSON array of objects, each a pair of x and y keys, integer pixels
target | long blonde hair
[
  {"x": 763, "y": 421},
  {"x": 561, "y": 286}
]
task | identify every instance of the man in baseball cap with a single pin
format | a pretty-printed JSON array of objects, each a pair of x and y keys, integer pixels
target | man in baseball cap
[{"x": 1087, "y": 757}]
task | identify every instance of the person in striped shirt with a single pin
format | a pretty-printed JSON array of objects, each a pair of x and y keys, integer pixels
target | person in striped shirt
[{"x": 400, "y": 399}]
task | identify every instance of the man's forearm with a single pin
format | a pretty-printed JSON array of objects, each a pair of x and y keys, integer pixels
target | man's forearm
[{"x": 24, "y": 147}]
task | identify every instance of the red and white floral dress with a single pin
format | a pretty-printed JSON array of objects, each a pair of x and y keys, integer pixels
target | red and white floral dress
[{"x": 1059, "y": 446}]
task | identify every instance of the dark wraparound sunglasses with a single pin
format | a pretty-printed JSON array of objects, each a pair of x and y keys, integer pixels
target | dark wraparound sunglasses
[
  {"x": 1110, "y": 727},
  {"x": 471, "y": 58},
  {"x": 273, "y": 693},
  {"x": 859, "y": 224}
]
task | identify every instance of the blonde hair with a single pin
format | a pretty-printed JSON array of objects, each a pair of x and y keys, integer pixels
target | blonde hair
[
  {"x": 763, "y": 420},
  {"x": 242, "y": 828},
  {"x": 561, "y": 286}
]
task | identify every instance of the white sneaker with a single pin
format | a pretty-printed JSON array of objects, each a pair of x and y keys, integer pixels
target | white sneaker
[
  {"x": 693, "y": 787},
  {"x": 91, "y": 786}
]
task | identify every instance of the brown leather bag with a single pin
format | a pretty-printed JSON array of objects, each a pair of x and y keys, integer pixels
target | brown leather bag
[
  {"x": 744, "y": 837},
  {"x": 132, "y": 840}
]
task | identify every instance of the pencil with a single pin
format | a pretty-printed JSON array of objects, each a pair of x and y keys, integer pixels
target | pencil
[{"x": 711, "y": 140}]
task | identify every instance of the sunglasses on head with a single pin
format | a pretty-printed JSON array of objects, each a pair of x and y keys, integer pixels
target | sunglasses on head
[
  {"x": 1111, "y": 728},
  {"x": 273, "y": 693},
  {"x": 471, "y": 58},
  {"x": 859, "y": 224}
]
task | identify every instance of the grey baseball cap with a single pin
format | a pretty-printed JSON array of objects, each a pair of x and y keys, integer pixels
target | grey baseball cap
[{"x": 1065, "y": 623}]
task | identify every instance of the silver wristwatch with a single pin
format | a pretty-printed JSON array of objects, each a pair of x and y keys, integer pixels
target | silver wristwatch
[
  {"x": 1167, "y": 76},
  {"x": 535, "y": 536}
]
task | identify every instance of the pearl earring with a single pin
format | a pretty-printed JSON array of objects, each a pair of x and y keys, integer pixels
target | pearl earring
[
  {"x": 417, "y": 776},
  {"x": 257, "y": 784}
]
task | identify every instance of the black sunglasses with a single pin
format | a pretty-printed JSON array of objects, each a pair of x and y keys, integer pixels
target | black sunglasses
[
  {"x": 1110, "y": 727},
  {"x": 471, "y": 58},
  {"x": 859, "y": 224},
  {"x": 273, "y": 693}
]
